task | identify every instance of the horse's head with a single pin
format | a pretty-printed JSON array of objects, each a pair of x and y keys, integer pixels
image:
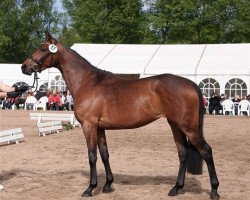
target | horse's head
[{"x": 44, "y": 57}]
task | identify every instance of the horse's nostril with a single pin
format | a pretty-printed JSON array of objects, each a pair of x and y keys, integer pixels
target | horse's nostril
[{"x": 23, "y": 67}]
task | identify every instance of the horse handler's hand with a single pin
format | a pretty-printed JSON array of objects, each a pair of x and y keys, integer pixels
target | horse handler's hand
[{"x": 13, "y": 94}]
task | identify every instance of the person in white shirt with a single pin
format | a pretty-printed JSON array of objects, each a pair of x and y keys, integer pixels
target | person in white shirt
[
  {"x": 70, "y": 101},
  {"x": 64, "y": 101},
  {"x": 30, "y": 101}
]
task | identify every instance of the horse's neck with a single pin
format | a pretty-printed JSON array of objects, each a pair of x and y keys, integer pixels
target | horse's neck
[{"x": 76, "y": 72}]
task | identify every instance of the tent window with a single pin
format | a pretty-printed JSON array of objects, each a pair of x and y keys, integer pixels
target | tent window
[
  {"x": 235, "y": 87},
  {"x": 58, "y": 84},
  {"x": 44, "y": 87},
  {"x": 209, "y": 86},
  {"x": 20, "y": 84}
]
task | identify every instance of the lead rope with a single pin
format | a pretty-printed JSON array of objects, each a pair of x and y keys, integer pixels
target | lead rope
[{"x": 35, "y": 82}]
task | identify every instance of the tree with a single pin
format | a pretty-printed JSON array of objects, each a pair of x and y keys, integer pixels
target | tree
[
  {"x": 233, "y": 17},
  {"x": 106, "y": 21},
  {"x": 7, "y": 12},
  {"x": 199, "y": 21},
  {"x": 23, "y": 25}
]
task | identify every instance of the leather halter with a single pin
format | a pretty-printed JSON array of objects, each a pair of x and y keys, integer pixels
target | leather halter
[
  {"x": 38, "y": 65},
  {"x": 41, "y": 60}
]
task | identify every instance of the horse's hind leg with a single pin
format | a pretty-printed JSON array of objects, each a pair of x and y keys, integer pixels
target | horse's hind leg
[
  {"x": 206, "y": 153},
  {"x": 182, "y": 147},
  {"x": 102, "y": 145}
]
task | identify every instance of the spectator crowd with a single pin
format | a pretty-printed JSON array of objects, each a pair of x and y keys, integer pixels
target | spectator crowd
[
  {"x": 52, "y": 99},
  {"x": 215, "y": 103}
]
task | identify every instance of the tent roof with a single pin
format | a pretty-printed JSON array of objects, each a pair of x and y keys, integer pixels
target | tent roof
[
  {"x": 120, "y": 59},
  {"x": 176, "y": 59},
  {"x": 128, "y": 59},
  {"x": 225, "y": 59},
  {"x": 94, "y": 53}
]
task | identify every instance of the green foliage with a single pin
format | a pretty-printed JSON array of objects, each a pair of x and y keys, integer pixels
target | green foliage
[
  {"x": 199, "y": 21},
  {"x": 69, "y": 37},
  {"x": 22, "y": 26},
  {"x": 67, "y": 126},
  {"x": 106, "y": 21}
]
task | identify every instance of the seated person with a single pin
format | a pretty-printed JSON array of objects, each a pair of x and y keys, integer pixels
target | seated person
[
  {"x": 54, "y": 101},
  {"x": 7, "y": 104},
  {"x": 30, "y": 101},
  {"x": 214, "y": 104}
]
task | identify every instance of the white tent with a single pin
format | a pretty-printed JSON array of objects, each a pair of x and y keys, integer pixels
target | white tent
[
  {"x": 225, "y": 59},
  {"x": 119, "y": 59},
  {"x": 12, "y": 73},
  {"x": 94, "y": 53},
  {"x": 175, "y": 59},
  {"x": 222, "y": 59}
]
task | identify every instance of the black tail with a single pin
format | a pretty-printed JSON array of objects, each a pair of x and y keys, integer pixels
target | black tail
[{"x": 195, "y": 160}]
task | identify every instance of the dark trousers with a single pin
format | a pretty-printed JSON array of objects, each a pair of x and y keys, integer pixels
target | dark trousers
[
  {"x": 216, "y": 108},
  {"x": 53, "y": 106}
]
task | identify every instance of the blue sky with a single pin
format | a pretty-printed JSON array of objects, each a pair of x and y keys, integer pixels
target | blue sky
[{"x": 59, "y": 5}]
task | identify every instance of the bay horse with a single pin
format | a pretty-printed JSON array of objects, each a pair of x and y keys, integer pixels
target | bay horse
[{"x": 105, "y": 101}]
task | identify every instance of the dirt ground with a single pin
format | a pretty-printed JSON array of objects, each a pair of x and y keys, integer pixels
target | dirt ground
[{"x": 144, "y": 162}]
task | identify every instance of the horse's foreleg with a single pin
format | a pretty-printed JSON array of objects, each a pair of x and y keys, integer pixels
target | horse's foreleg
[
  {"x": 182, "y": 147},
  {"x": 102, "y": 144},
  {"x": 90, "y": 133}
]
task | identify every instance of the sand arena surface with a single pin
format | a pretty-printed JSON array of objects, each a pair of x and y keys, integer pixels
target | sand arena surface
[{"x": 144, "y": 162}]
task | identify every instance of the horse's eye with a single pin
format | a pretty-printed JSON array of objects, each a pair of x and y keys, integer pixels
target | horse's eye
[{"x": 43, "y": 49}]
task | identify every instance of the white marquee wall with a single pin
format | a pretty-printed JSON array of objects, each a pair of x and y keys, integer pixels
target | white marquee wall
[{"x": 11, "y": 74}]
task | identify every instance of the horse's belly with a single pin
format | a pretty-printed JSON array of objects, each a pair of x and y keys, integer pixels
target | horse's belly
[{"x": 126, "y": 123}]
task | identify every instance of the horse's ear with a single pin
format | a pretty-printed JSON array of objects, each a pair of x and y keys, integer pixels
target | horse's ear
[{"x": 47, "y": 36}]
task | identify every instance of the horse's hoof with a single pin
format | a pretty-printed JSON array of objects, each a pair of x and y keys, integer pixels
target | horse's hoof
[
  {"x": 215, "y": 196},
  {"x": 86, "y": 194},
  {"x": 173, "y": 192},
  {"x": 107, "y": 189}
]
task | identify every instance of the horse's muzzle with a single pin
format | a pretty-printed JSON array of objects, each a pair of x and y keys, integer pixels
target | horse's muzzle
[{"x": 26, "y": 70}]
